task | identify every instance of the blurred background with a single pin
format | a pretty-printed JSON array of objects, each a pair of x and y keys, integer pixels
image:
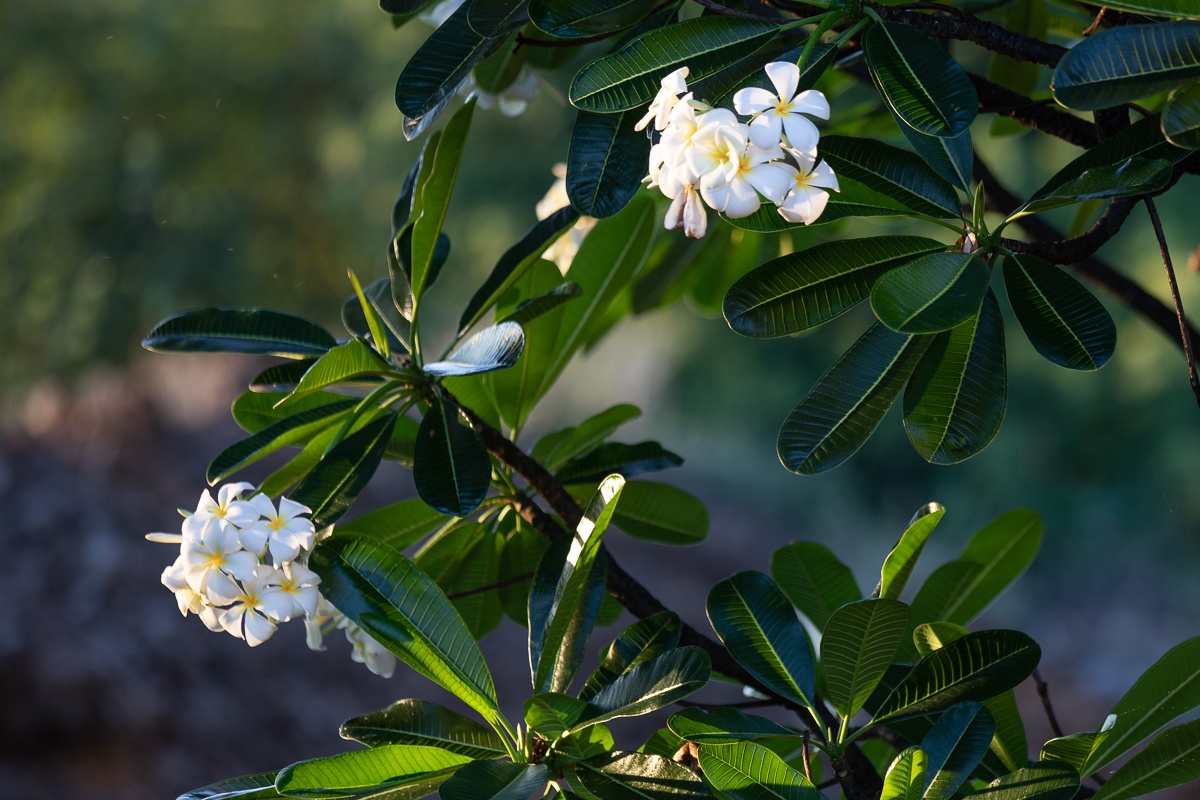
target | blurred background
[{"x": 237, "y": 154}]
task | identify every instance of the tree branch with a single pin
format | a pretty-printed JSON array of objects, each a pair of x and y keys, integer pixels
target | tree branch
[
  {"x": 985, "y": 34},
  {"x": 995, "y": 99},
  {"x": 1188, "y": 352}
]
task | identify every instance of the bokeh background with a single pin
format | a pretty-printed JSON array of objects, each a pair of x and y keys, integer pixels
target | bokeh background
[{"x": 155, "y": 159}]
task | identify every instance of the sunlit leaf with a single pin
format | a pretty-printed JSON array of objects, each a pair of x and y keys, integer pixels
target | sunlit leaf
[
  {"x": 642, "y": 641},
  {"x": 900, "y": 561},
  {"x": 651, "y": 684},
  {"x": 495, "y": 347},
  {"x": 383, "y": 767},
  {"x": 857, "y": 646},
  {"x": 420, "y": 722},
  {"x": 1172, "y": 758},
  {"x": 724, "y": 726},
  {"x": 638, "y": 776},
  {"x": 894, "y": 172},
  {"x": 495, "y": 780},
  {"x": 295, "y": 429},
  {"x": 905, "y": 778},
  {"x": 1043, "y": 780},
  {"x": 749, "y": 771},
  {"x": 335, "y": 483}
]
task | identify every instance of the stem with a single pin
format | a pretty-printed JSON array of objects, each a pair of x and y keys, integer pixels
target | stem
[
  {"x": 827, "y": 22},
  {"x": 807, "y": 765},
  {"x": 1188, "y": 353},
  {"x": 1043, "y": 690}
]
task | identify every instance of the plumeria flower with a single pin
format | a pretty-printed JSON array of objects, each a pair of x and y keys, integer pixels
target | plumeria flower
[
  {"x": 227, "y": 507},
  {"x": 808, "y": 193},
  {"x": 257, "y": 608},
  {"x": 512, "y": 100},
  {"x": 300, "y": 584},
  {"x": 284, "y": 532},
  {"x": 212, "y": 557},
  {"x": 687, "y": 212},
  {"x": 563, "y": 251},
  {"x": 370, "y": 652},
  {"x": 779, "y": 113},
  {"x": 672, "y": 86},
  {"x": 325, "y": 618},
  {"x": 189, "y": 600}
]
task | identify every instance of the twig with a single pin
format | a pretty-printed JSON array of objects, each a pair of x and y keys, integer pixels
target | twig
[
  {"x": 985, "y": 34},
  {"x": 804, "y": 755},
  {"x": 1043, "y": 690},
  {"x": 996, "y": 99},
  {"x": 1188, "y": 353},
  {"x": 489, "y": 587}
]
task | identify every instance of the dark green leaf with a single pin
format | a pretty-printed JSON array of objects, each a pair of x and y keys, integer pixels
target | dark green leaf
[
  {"x": 636, "y": 776},
  {"x": 495, "y": 780},
  {"x": 334, "y": 484},
  {"x": 247, "y": 787},
  {"x": 857, "y": 645},
  {"x": 420, "y": 722},
  {"x": 954, "y": 746},
  {"x": 905, "y": 778},
  {"x": 802, "y": 290},
  {"x": 281, "y": 377},
  {"x": 606, "y": 161},
  {"x": 1063, "y": 320},
  {"x": 432, "y": 197},
  {"x": 1009, "y": 744},
  {"x": 239, "y": 330},
  {"x": 626, "y": 459},
  {"x": 932, "y": 293},
  {"x": 1044, "y": 780},
  {"x": 532, "y": 309},
  {"x": 551, "y": 714},
  {"x": 1162, "y": 8},
  {"x": 749, "y": 771},
  {"x": 814, "y": 580},
  {"x": 378, "y": 294},
  {"x": 1125, "y": 63},
  {"x": 951, "y": 157},
  {"x": 659, "y": 512},
  {"x": 920, "y": 81},
  {"x": 724, "y": 726},
  {"x": 642, "y": 641},
  {"x": 1131, "y": 177},
  {"x": 1171, "y": 759},
  {"x": 893, "y": 172},
  {"x": 848, "y": 402},
  {"x": 451, "y": 465},
  {"x": 572, "y": 19},
  {"x": 399, "y": 524},
  {"x": 555, "y": 449},
  {"x": 631, "y": 76},
  {"x": 383, "y": 767},
  {"x": 295, "y": 429},
  {"x": 317, "y": 448},
  {"x": 495, "y": 347},
  {"x": 402, "y": 296},
  {"x": 497, "y": 17},
  {"x": 651, "y": 684},
  {"x": 1181, "y": 117},
  {"x": 760, "y": 630},
  {"x": 900, "y": 561},
  {"x": 955, "y": 401},
  {"x": 462, "y": 561}
]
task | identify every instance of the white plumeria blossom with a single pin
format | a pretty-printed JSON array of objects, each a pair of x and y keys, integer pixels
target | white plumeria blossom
[
  {"x": 806, "y": 198},
  {"x": 672, "y": 86},
  {"x": 370, "y": 652},
  {"x": 563, "y": 251},
  {"x": 228, "y": 507},
  {"x": 285, "y": 533},
  {"x": 213, "y": 557},
  {"x": 299, "y": 584},
  {"x": 775, "y": 114},
  {"x": 259, "y": 606}
]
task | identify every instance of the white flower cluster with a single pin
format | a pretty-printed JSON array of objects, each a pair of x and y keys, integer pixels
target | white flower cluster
[
  {"x": 563, "y": 251},
  {"x": 707, "y": 156},
  {"x": 243, "y": 569}
]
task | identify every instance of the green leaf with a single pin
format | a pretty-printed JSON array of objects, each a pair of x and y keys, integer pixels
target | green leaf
[
  {"x": 606, "y": 161},
  {"x": 1181, "y": 117},
  {"x": 281, "y": 377},
  {"x": 1076, "y": 748},
  {"x": 451, "y": 465},
  {"x": 398, "y": 525},
  {"x": 1123, "y": 64},
  {"x": 383, "y": 767},
  {"x": 749, "y": 771},
  {"x": 239, "y": 330},
  {"x": 857, "y": 646},
  {"x": 1043, "y": 780},
  {"x": 295, "y": 429},
  {"x": 317, "y": 449},
  {"x": 495, "y": 347},
  {"x": 636, "y": 776},
  {"x": 724, "y": 726},
  {"x": 631, "y": 76},
  {"x": 529, "y": 310},
  {"x": 1169, "y": 688},
  {"x": 642, "y": 641},
  {"x": 955, "y": 401},
  {"x": 551, "y": 714},
  {"x": 497, "y": 17},
  {"x": 920, "y": 81},
  {"x": 760, "y": 630},
  {"x": 651, "y": 684},
  {"x": 246, "y": 787},
  {"x": 802, "y": 290},
  {"x": 814, "y": 580},
  {"x": 905, "y": 778},
  {"x": 626, "y": 459},
  {"x": 932, "y": 293},
  {"x": 848, "y": 402},
  {"x": 1162, "y": 8},
  {"x": 462, "y": 561},
  {"x": 853, "y": 200},
  {"x": 1009, "y": 744},
  {"x": 342, "y": 364},
  {"x": 556, "y": 449},
  {"x": 954, "y": 746},
  {"x": 951, "y": 157},
  {"x": 335, "y": 483},
  {"x": 378, "y": 294},
  {"x": 891, "y": 171},
  {"x": 978, "y": 666},
  {"x": 420, "y": 722},
  {"x": 660, "y": 512},
  {"x": 900, "y": 561},
  {"x": 1132, "y": 176},
  {"x": 495, "y": 780},
  {"x": 566, "y": 594},
  {"x": 1171, "y": 759},
  {"x": 1063, "y": 320},
  {"x": 572, "y": 19},
  {"x": 383, "y": 592}
]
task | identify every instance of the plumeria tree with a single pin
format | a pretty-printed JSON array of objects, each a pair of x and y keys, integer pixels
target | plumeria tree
[{"x": 703, "y": 129}]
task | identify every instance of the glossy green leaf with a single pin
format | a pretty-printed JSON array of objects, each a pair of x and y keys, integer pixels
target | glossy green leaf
[
  {"x": 495, "y": 347},
  {"x": 932, "y": 293},
  {"x": 317, "y": 449},
  {"x": 1043, "y": 780},
  {"x": 638, "y": 776},
  {"x": 398, "y": 525},
  {"x": 954, "y": 746},
  {"x": 978, "y": 666},
  {"x": 749, "y": 771},
  {"x": 420, "y": 722},
  {"x": 898, "y": 565},
  {"x": 383, "y": 767},
  {"x": 814, "y": 580},
  {"x": 897, "y": 173},
  {"x": 395, "y": 330},
  {"x": 335, "y": 483},
  {"x": 567, "y": 589},
  {"x": 551, "y": 714},
  {"x": 951, "y": 157},
  {"x": 432, "y": 197},
  {"x": 555, "y": 449},
  {"x": 1009, "y": 744},
  {"x": 1158, "y": 8},
  {"x": 1131, "y": 177},
  {"x": 523, "y": 546},
  {"x": 1076, "y": 748},
  {"x": 295, "y": 429},
  {"x": 451, "y": 465},
  {"x": 1122, "y": 64},
  {"x": 853, "y": 200},
  {"x": 802, "y": 290},
  {"x": 632, "y": 75},
  {"x": 760, "y": 630},
  {"x": 848, "y": 402},
  {"x": 1181, "y": 117},
  {"x": 497, "y": 17},
  {"x": 342, "y": 364},
  {"x": 1003, "y": 549},
  {"x": 1142, "y": 139},
  {"x": 930, "y": 636},
  {"x": 724, "y": 726},
  {"x": 1063, "y": 320},
  {"x": 920, "y": 81},
  {"x": 955, "y": 401},
  {"x": 651, "y": 684},
  {"x": 529, "y": 310},
  {"x": 282, "y": 377},
  {"x": 857, "y": 646},
  {"x": 642, "y": 641},
  {"x": 1169, "y": 688},
  {"x": 246, "y": 787},
  {"x": 239, "y": 330},
  {"x": 626, "y": 459},
  {"x": 905, "y": 777},
  {"x": 572, "y": 19},
  {"x": 1172, "y": 758},
  {"x": 381, "y": 591},
  {"x": 660, "y": 512},
  {"x": 495, "y": 780},
  {"x": 606, "y": 161}
]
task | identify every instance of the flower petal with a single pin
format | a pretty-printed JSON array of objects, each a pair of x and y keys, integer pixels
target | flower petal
[
  {"x": 785, "y": 77},
  {"x": 810, "y": 101},
  {"x": 753, "y": 100},
  {"x": 801, "y": 134}
]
